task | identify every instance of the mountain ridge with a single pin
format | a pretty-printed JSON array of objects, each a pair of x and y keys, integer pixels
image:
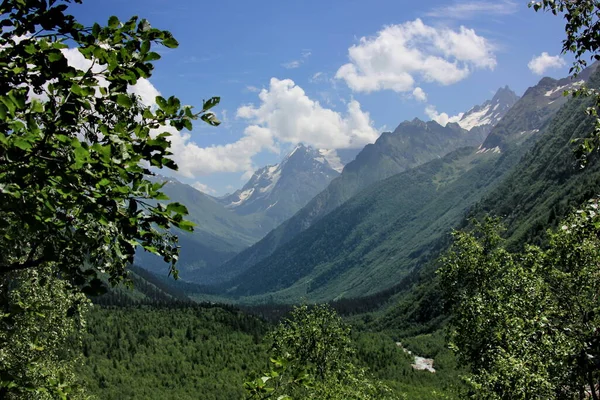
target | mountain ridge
[
  {"x": 412, "y": 143},
  {"x": 387, "y": 230}
]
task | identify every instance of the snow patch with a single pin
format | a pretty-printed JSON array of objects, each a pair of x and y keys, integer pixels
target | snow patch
[
  {"x": 471, "y": 120},
  {"x": 243, "y": 196},
  {"x": 564, "y": 87},
  {"x": 273, "y": 175},
  {"x": 552, "y": 91},
  {"x": 483, "y": 150}
]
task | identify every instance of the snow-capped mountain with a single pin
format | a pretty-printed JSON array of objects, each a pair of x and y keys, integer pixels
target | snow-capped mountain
[
  {"x": 491, "y": 112},
  {"x": 281, "y": 190}
]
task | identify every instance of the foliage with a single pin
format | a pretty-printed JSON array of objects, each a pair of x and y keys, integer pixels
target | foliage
[
  {"x": 170, "y": 352},
  {"x": 389, "y": 363},
  {"x": 40, "y": 321},
  {"x": 75, "y": 145},
  {"x": 526, "y": 323},
  {"x": 311, "y": 359}
]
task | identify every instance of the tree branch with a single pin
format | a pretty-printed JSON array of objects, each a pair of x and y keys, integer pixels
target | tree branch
[{"x": 17, "y": 266}]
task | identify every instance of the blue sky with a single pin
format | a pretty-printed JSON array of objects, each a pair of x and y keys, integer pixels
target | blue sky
[{"x": 322, "y": 84}]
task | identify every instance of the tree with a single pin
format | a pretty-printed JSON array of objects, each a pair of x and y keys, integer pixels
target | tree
[
  {"x": 527, "y": 323},
  {"x": 311, "y": 354},
  {"x": 76, "y": 146},
  {"x": 40, "y": 336}
]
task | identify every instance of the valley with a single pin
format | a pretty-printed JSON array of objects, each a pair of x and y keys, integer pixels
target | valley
[{"x": 389, "y": 202}]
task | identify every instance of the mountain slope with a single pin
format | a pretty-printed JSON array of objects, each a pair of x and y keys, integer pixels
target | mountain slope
[
  {"x": 380, "y": 235},
  {"x": 411, "y": 144},
  {"x": 226, "y": 226},
  {"x": 278, "y": 191},
  {"x": 219, "y": 234},
  {"x": 540, "y": 191}
]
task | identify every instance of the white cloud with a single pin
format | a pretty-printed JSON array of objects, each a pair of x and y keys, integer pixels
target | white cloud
[
  {"x": 143, "y": 88},
  {"x": 201, "y": 187},
  {"x": 441, "y": 118},
  {"x": 290, "y": 116},
  {"x": 194, "y": 160},
  {"x": 252, "y": 89},
  {"x": 472, "y": 9},
  {"x": 538, "y": 65},
  {"x": 297, "y": 63},
  {"x": 401, "y": 54},
  {"x": 292, "y": 64},
  {"x": 317, "y": 77},
  {"x": 285, "y": 115},
  {"x": 419, "y": 94}
]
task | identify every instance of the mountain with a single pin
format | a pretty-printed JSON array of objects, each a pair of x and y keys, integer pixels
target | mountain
[
  {"x": 278, "y": 191},
  {"x": 411, "y": 144},
  {"x": 379, "y": 236},
  {"x": 488, "y": 114},
  {"x": 542, "y": 189},
  {"x": 228, "y": 225},
  {"x": 544, "y": 99},
  {"x": 219, "y": 234}
]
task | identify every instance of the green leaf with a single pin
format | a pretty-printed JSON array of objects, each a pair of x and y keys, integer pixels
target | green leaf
[
  {"x": 177, "y": 208},
  {"x": 124, "y": 101},
  {"x": 22, "y": 143},
  {"x": 145, "y": 48},
  {"x": 55, "y": 56},
  {"x": 152, "y": 56},
  {"x": 187, "y": 226},
  {"x": 81, "y": 154},
  {"x": 76, "y": 89},
  {"x": 36, "y": 107},
  {"x": 210, "y": 119},
  {"x": 161, "y": 102},
  {"x": 211, "y": 103},
  {"x": 170, "y": 42},
  {"x": 113, "y": 22}
]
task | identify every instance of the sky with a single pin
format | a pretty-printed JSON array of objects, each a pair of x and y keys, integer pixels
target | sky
[{"x": 332, "y": 74}]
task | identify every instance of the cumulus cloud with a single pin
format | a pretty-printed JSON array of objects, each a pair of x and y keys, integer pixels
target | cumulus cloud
[
  {"x": 472, "y": 9},
  {"x": 399, "y": 55},
  {"x": 143, "y": 88},
  {"x": 290, "y": 116},
  {"x": 441, "y": 118},
  {"x": 194, "y": 160},
  {"x": 419, "y": 94},
  {"x": 540, "y": 64},
  {"x": 284, "y": 115}
]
